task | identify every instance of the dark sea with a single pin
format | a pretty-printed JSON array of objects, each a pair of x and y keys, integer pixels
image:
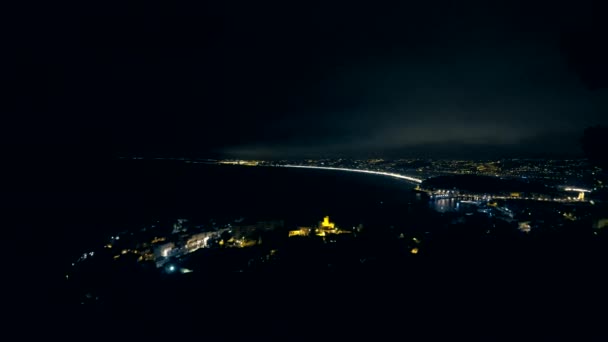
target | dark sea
[
  {"x": 81, "y": 210},
  {"x": 58, "y": 214}
]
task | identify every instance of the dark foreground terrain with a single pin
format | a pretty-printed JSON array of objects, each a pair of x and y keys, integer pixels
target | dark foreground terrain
[{"x": 500, "y": 288}]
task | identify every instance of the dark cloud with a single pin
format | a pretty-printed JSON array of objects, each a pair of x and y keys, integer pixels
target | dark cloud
[
  {"x": 434, "y": 78},
  {"x": 503, "y": 94},
  {"x": 474, "y": 79}
]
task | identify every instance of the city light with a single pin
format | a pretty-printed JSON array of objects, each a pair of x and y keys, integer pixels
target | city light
[
  {"x": 577, "y": 189},
  {"x": 443, "y": 216},
  {"x": 396, "y": 175}
]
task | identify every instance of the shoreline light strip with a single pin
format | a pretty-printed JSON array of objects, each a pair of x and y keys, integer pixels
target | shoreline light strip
[
  {"x": 395, "y": 175},
  {"x": 577, "y": 189}
]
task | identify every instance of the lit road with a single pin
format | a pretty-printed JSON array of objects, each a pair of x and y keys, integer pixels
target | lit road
[
  {"x": 576, "y": 189},
  {"x": 395, "y": 175}
]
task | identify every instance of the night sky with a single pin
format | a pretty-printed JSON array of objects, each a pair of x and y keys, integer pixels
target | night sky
[{"x": 475, "y": 79}]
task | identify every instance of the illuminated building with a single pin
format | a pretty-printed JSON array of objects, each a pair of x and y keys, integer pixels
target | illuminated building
[
  {"x": 325, "y": 224},
  {"x": 162, "y": 252},
  {"x": 525, "y": 226},
  {"x": 324, "y": 228},
  {"x": 328, "y": 227},
  {"x": 158, "y": 239},
  {"x": 197, "y": 241},
  {"x": 165, "y": 249},
  {"x": 302, "y": 231}
]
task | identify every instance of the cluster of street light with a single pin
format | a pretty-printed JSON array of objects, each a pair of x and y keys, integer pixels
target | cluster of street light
[{"x": 390, "y": 174}]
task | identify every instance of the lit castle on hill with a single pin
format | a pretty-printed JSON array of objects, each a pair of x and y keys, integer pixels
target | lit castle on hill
[{"x": 324, "y": 228}]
